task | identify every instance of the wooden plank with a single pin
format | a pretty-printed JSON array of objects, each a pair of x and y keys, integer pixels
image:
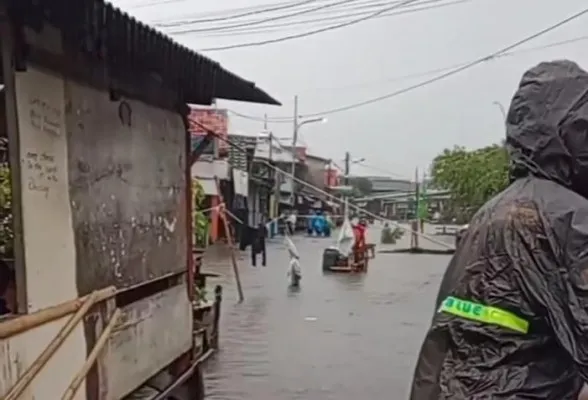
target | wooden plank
[
  {"x": 340, "y": 269},
  {"x": 153, "y": 332}
]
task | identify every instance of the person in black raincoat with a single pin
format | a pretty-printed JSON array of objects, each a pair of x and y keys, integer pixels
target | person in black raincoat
[{"x": 511, "y": 318}]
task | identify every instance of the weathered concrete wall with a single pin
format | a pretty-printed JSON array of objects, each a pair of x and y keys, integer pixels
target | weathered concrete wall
[
  {"x": 155, "y": 331},
  {"x": 48, "y": 235},
  {"x": 127, "y": 174},
  {"x": 315, "y": 174}
]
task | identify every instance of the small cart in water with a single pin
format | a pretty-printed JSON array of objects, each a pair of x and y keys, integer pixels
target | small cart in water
[{"x": 334, "y": 261}]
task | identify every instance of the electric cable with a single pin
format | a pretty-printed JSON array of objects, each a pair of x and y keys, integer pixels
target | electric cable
[
  {"x": 256, "y": 22},
  {"x": 383, "y": 171},
  {"x": 453, "y": 71},
  {"x": 309, "y": 33},
  {"x": 254, "y": 12},
  {"x": 426, "y": 5},
  {"x": 227, "y": 14}
]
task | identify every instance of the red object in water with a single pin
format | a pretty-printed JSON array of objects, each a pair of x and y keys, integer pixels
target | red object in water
[{"x": 359, "y": 231}]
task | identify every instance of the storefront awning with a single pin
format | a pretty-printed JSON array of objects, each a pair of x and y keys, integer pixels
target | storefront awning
[{"x": 208, "y": 186}]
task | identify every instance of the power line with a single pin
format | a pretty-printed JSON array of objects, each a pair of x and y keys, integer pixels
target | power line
[
  {"x": 324, "y": 8},
  {"x": 438, "y": 70},
  {"x": 310, "y": 33},
  {"x": 257, "y": 11},
  {"x": 382, "y": 171},
  {"x": 332, "y": 15},
  {"x": 414, "y": 75},
  {"x": 236, "y": 13},
  {"x": 228, "y": 12},
  {"x": 452, "y": 71},
  {"x": 261, "y": 21}
]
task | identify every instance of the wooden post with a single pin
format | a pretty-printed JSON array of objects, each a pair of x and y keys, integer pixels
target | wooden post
[
  {"x": 218, "y": 297},
  {"x": 81, "y": 375},
  {"x": 230, "y": 242}
]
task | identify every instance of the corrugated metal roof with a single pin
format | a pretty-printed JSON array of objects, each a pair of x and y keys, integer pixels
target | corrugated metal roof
[{"x": 106, "y": 34}]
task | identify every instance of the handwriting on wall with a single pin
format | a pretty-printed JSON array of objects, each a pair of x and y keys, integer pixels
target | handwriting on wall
[
  {"x": 45, "y": 117},
  {"x": 42, "y": 171}
]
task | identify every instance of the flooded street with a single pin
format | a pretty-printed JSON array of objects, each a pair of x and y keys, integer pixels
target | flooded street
[{"x": 339, "y": 337}]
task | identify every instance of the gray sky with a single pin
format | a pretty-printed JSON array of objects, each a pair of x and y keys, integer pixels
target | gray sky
[{"x": 353, "y": 64}]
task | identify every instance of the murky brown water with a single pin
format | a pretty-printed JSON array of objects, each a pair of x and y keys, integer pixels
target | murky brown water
[{"x": 340, "y": 337}]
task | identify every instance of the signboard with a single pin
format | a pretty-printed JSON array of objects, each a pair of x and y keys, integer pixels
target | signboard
[
  {"x": 216, "y": 120},
  {"x": 241, "y": 182}
]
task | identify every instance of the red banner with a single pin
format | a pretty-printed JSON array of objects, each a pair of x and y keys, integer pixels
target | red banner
[{"x": 331, "y": 177}]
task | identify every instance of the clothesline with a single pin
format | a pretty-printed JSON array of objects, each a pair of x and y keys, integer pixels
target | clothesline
[
  {"x": 219, "y": 206},
  {"x": 336, "y": 199}
]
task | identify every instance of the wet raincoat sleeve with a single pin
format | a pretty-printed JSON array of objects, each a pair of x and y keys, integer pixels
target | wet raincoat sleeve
[
  {"x": 425, "y": 384},
  {"x": 555, "y": 282}
]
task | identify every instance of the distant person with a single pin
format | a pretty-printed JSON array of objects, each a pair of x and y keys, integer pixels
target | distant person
[
  {"x": 291, "y": 222},
  {"x": 258, "y": 245},
  {"x": 329, "y": 224},
  {"x": 294, "y": 271},
  {"x": 319, "y": 224},
  {"x": 359, "y": 246},
  {"x": 310, "y": 223}
]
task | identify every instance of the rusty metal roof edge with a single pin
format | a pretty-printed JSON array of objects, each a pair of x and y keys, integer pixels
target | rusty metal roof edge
[{"x": 225, "y": 85}]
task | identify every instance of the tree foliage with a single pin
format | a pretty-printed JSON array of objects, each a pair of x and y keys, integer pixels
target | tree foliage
[
  {"x": 199, "y": 218},
  {"x": 472, "y": 176},
  {"x": 361, "y": 186},
  {"x": 6, "y": 232}
]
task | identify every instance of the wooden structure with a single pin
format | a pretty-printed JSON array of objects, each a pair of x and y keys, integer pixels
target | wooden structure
[{"x": 95, "y": 116}]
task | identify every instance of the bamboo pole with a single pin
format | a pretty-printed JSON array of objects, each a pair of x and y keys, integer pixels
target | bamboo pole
[
  {"x": 23, "y": 323},
  {"x": 233, "y": 257},
  {"x": 81, "y": 375},
  {"x": 57, "y": 341},
  {"x": 230, "y": 242}
]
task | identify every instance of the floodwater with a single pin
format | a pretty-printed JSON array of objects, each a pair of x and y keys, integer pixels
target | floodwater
[{"x": 339, "y": 337}]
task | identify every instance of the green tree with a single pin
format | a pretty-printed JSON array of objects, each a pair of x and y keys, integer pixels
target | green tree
[
  {"x": 199, "y": 218},
  {"x": 471, "y": 176},
  {"x": 361, "y": 186},
  {"x": 6, "y": 233}
]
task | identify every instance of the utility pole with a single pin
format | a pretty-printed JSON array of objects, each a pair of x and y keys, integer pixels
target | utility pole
[
  {"x": 265, "y": 122},
  {"x": 294, "y": 158},
  {"x": 346, "y": 181},
  {"x": 417, "y": 193},
  {"x": 415, "y": 223},
  {"x": 347, "y": 167}
]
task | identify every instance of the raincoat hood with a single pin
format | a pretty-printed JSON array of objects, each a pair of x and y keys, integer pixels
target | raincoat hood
[
  {"x": 547, "y": 125},
  {"x": 510, "y": 318}
]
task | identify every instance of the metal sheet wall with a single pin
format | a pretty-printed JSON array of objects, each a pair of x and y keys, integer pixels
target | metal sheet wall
[{"x": 127, "y": 165}]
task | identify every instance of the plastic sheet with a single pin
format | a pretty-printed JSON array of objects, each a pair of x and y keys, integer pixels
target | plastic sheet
[{"x": 526, "y": 253}]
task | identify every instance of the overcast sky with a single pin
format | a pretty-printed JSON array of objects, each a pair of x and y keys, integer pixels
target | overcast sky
[{"x": 373, "y": 58}]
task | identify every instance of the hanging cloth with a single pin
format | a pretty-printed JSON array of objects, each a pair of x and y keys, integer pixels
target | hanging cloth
[{"x": 346, "y": 238}]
